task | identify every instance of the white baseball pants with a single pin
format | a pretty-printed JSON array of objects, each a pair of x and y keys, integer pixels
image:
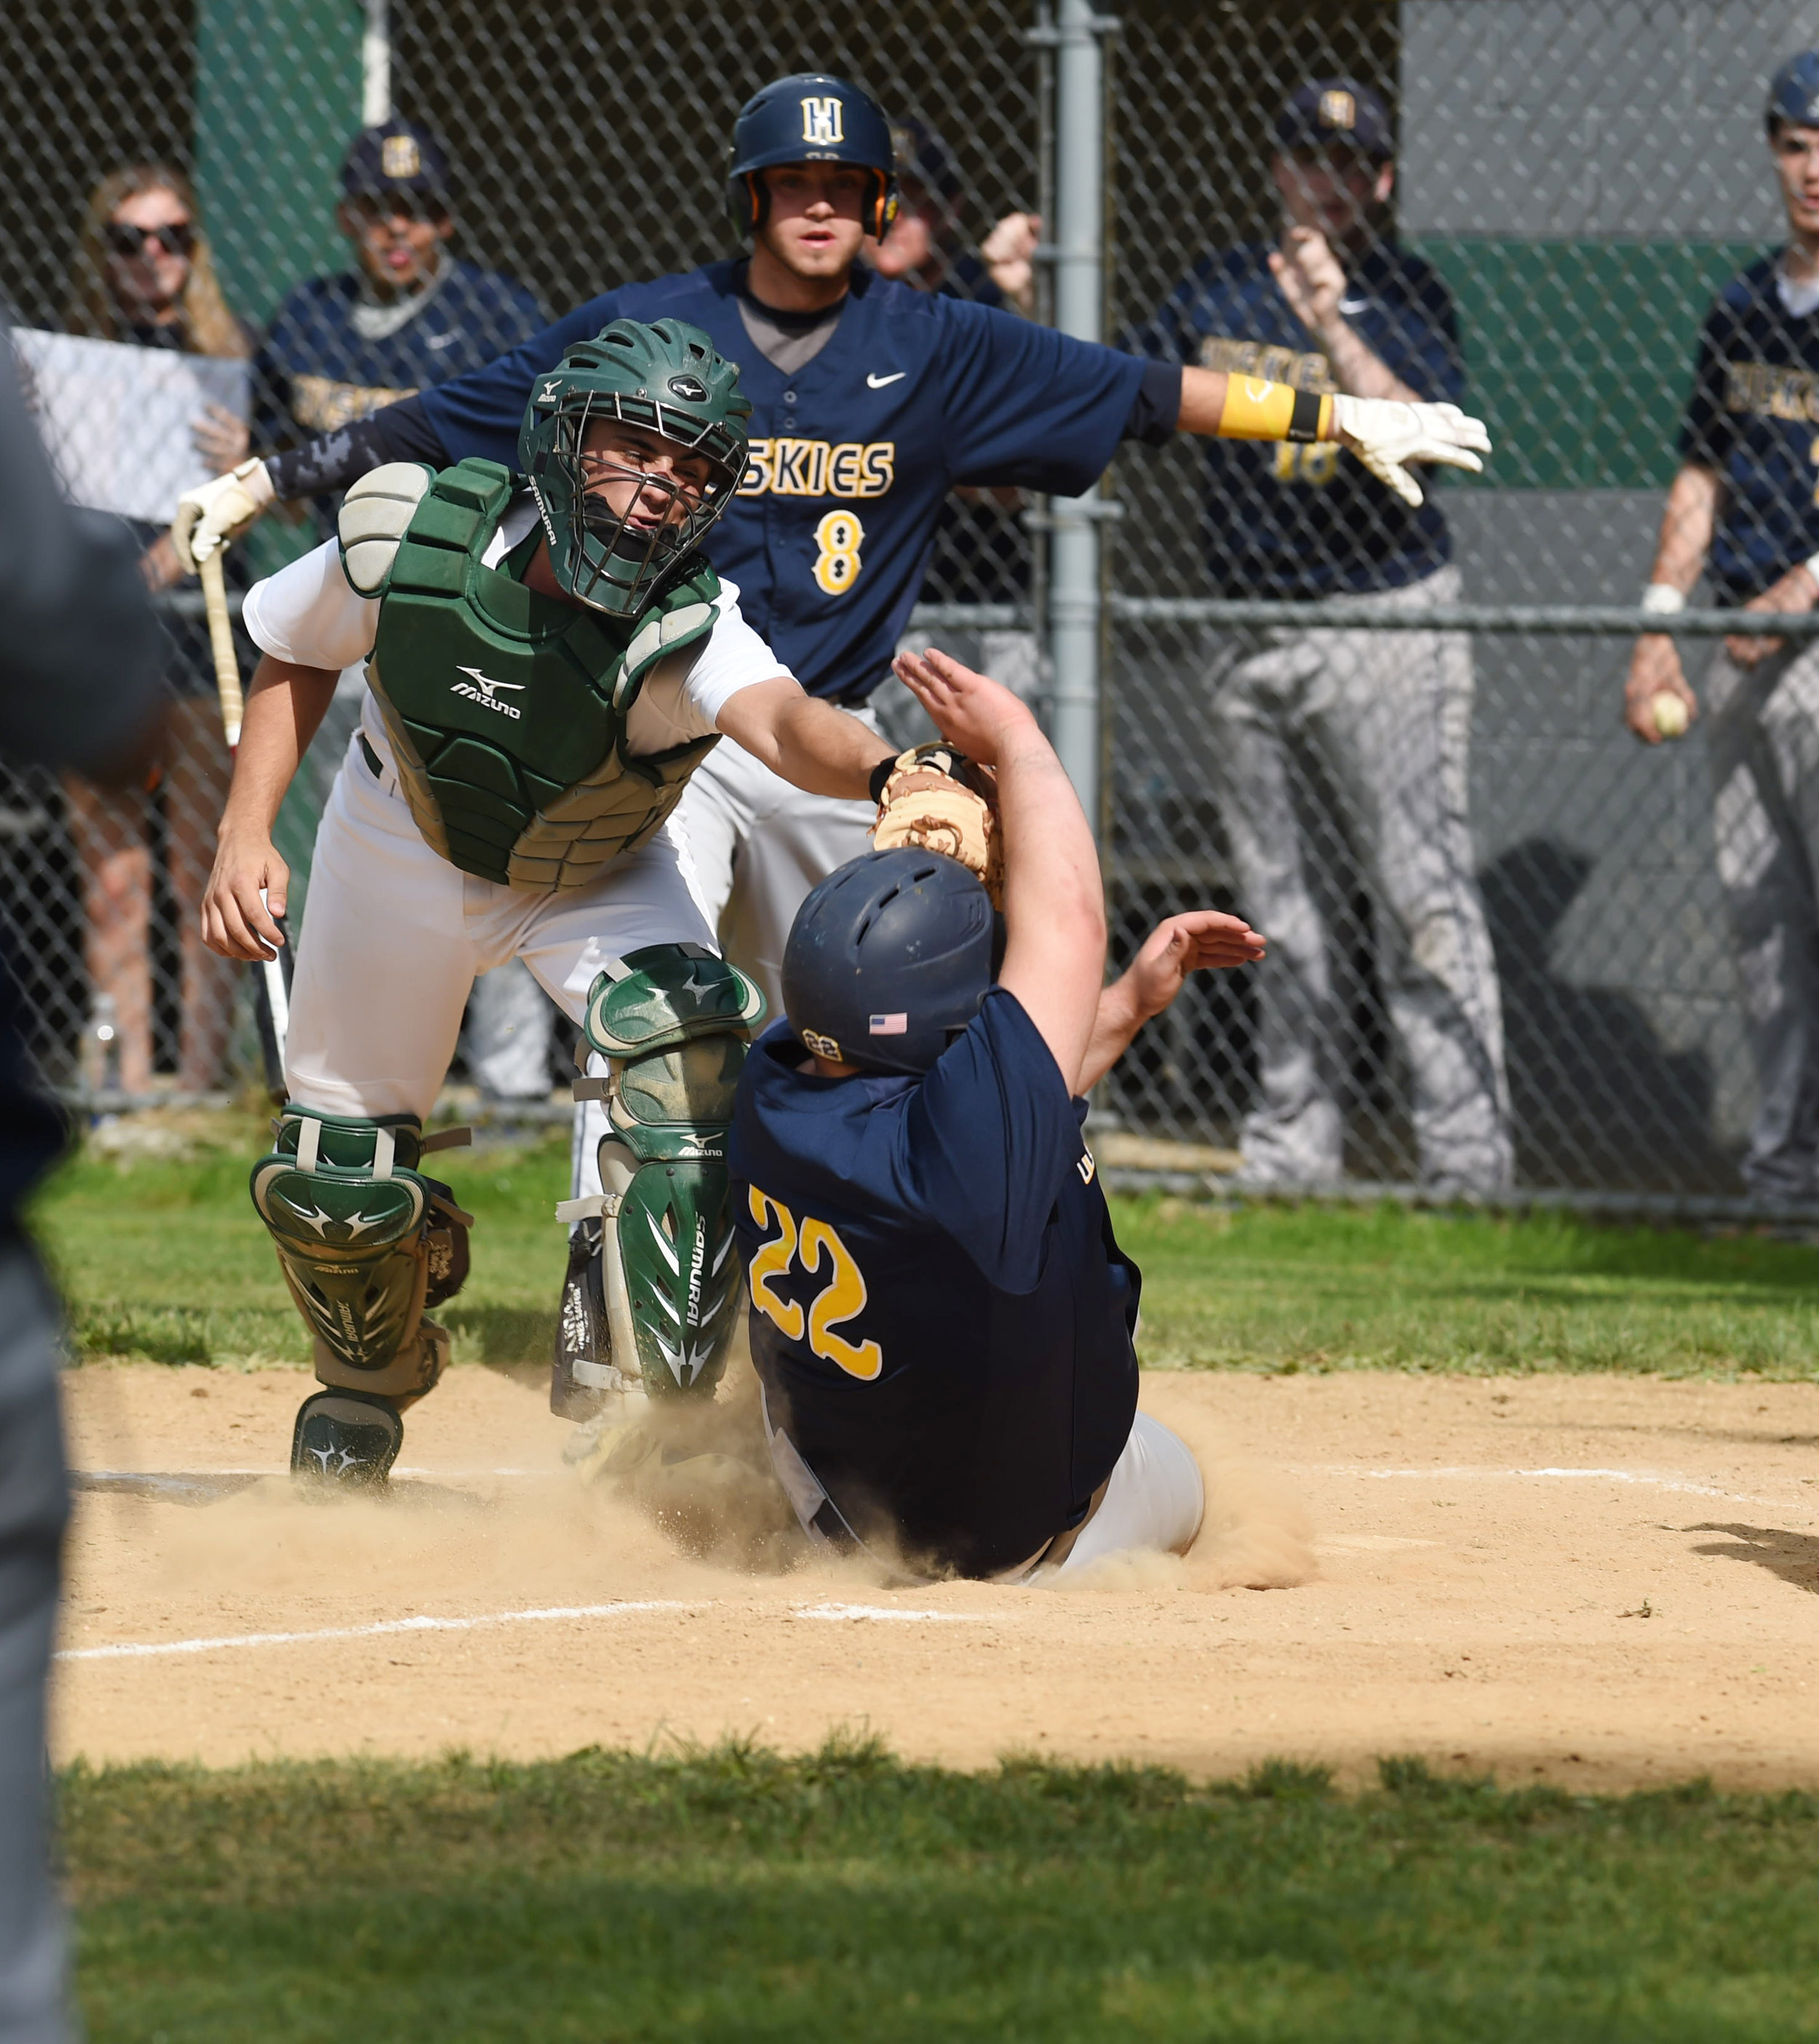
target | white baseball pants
[
  {"x": 753, "y": 847},
  {"x": 394, "y": 937},
  {"x": 1155, "y": 1499}
]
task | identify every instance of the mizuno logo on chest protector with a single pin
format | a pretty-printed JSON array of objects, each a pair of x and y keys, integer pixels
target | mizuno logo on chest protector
[{"x": 480, "y": 691}]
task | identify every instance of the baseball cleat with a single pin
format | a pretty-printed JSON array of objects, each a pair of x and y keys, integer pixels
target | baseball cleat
[{"x": 349, "y": 1440}]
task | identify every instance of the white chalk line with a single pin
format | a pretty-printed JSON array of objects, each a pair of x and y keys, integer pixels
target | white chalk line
[
  {"x": 276, "y": 1471},
  {"x": 143, "y": 1650},
  {"x": 1643, "y": 1478},
  {"x": 134, "y": 1650},
  {"x": 854, "y": 1611}
]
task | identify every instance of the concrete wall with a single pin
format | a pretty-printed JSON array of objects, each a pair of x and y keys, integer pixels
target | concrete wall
[{"x": 1641, "y": 119}]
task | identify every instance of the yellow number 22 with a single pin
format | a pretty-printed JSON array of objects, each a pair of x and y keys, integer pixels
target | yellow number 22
[{"x": 842, "y": 1298}]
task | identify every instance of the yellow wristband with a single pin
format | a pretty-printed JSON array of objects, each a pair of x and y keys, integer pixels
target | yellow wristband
[{"x": 1258, "y": 411}]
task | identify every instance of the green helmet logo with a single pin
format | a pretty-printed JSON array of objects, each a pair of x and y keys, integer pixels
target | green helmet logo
[{"x": 620, "y": 531}]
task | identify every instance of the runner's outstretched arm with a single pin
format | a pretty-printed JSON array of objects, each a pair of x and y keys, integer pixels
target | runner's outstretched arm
[{"x": 1054, "y": 899}]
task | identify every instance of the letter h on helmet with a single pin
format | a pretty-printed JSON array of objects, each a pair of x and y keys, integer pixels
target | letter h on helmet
[{"x": 810, "y": 118}]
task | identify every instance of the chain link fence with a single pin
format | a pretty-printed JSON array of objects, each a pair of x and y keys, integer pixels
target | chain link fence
[{"x": 1511, "y": 947}]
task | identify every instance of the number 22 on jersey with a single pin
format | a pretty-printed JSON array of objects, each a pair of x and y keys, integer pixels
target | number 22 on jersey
[{"x": 810, "y": 1246}]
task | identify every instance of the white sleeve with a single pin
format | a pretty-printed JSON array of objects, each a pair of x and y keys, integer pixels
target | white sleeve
[
  {"x": 308, "y": 613},
  {"x": 683, "y": 696},
  {"x": 733, "y": 657}
]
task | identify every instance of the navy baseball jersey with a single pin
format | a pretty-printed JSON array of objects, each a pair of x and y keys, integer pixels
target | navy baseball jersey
[
  {"x": 982, "y": 550},
  {"x": 1305, "y": 521},
  {"x": 853, "y": 454},
  {"x": 1754, "y": 417},
  {"x": 940, "y": 1317},
  {"x": 317, "y": 371}
]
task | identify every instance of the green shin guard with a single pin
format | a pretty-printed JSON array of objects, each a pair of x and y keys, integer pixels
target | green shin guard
[
  {"x": 366, "y": 1243},
  {"x": 345, "y": 1440},
  {"x": 674, "y": 1022}
]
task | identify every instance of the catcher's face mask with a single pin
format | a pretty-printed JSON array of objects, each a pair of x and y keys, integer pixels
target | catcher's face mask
[{"x": 644, "y": 499}]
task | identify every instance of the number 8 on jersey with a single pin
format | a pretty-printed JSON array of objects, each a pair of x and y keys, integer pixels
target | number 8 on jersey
[{"x": 840, "y": 535}]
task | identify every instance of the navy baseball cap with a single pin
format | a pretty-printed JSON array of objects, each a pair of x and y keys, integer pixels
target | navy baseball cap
[
  {"x": 398, "y": 156},
  {"x": 1793, "y": 93},
  {"x": 1327, "y": 111}
]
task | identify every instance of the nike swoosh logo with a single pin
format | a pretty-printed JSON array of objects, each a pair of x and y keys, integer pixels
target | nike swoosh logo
[
  {"x": 878, "y": 382},
  {"x": 444, "y": 339},
  {"x": 1353, "y": 306}
]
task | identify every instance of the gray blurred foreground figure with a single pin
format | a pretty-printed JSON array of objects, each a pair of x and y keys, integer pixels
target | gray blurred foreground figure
[{"x": 80, "y": 654}]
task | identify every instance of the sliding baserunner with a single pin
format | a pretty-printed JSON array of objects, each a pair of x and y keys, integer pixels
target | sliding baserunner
[
  {"x": 942, "y": 1319},
  {"x": 546, "y": 665}
]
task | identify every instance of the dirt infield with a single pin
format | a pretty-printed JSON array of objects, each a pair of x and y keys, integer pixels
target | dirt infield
[{"x": 1603, "y": 1582}]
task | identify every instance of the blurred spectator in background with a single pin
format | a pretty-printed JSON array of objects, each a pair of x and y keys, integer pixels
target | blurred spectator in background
[
  {"x": 982, "y": 552},
  {"x": 79, "y": 657},
  {"x": 926, "y": 245},
  {"x": 1744, "y": 503},
  {"x": 1332, "y": 751},
  {"x": 143, "y": 276},
  {"x": 410, "y": 314}
]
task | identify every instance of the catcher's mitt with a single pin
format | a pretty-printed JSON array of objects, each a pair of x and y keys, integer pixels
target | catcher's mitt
[{"x": 938, "y": 799}]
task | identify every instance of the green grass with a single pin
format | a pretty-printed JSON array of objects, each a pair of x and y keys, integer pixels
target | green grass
[
  {"x": 733, "y": 1894},
  {"x": 1317, "y": 1288},
  {"x": 164, "y": 1259}
]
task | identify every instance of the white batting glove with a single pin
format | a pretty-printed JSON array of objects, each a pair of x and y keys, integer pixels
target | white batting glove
[
  {"x": 218, "y": 511},
  {"x": 1385, "y": 434}
]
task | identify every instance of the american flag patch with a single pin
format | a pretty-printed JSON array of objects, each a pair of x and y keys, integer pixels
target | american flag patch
[{"x": 890, "y": 1025}]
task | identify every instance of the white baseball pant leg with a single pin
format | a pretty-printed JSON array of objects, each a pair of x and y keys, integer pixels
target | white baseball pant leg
[
  {"x": 753, "y": 847},
  {"x": 757, "y": 846},
  {"x": 508, "y": 1034},
  {"x": 394, "y": 937},
  {"x": 1763, "y": 748},
  {"x": 1154, "y": 1500}
]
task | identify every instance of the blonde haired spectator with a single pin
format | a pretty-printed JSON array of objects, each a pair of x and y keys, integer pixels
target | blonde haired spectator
[{"x": 144, "y": 275}]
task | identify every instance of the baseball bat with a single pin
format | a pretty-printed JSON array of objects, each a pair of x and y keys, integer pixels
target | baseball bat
[
  {"x": 221, "y": 644},
  {"x": 271, "y": 992}
]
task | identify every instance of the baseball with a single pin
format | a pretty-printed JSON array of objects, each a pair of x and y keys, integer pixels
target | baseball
[{"x": 1672, "y": 717}]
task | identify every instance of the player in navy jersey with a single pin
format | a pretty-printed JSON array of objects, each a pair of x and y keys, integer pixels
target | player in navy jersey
[
  {"x": 1382, "y": 717},
  {"x": 409, "y": 315},
  {"x": 942, "y": 1321},
  {"x": 1745, "y": 509}
]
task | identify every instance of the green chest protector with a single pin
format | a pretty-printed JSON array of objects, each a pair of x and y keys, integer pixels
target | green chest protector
[{"x": 505, "y": 708}]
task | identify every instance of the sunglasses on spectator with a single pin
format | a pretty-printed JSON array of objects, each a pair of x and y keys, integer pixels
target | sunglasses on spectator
[{"x": 176, "y": 237}]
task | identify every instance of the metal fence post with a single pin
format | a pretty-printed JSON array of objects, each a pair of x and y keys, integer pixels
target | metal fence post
[
  {"x": 1077, "y": 230},
  {"x": 375, "y": 65}
]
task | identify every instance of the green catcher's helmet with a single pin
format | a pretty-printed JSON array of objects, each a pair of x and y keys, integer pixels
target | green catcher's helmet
[{"x": 668, "y": 379}]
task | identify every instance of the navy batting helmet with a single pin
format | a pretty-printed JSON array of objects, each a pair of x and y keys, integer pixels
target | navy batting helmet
[
  {"x": 809, "y": 118},
  {"x": 889, "y": 959},
  {"x": 1793, "y": 93}
]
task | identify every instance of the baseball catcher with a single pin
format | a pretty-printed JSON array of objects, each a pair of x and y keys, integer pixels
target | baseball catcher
[
  {"x": 942, "y": 1320},
  {"x": 548, "y": 657}
]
